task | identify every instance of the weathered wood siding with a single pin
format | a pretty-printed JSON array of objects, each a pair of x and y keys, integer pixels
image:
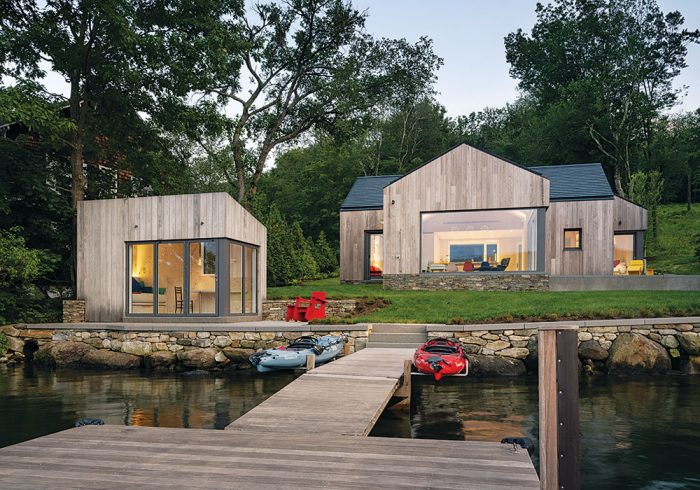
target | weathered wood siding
[
  {"x": 463, "y": 179},
  {"x": 105, "y": 225},
  {"x": 595, "y": 218},
  {"x": 353, "y": 225},
  {"x": 628, "y": 216}
]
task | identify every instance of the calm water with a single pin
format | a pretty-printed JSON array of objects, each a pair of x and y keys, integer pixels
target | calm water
[{"x": 635, "y": 433}]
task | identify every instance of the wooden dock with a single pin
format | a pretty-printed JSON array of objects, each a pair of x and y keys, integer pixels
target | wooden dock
[{"x": 308, "y": 435}]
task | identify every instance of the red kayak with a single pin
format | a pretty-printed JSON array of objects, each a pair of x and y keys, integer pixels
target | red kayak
[{"x": 440, "y": 357}]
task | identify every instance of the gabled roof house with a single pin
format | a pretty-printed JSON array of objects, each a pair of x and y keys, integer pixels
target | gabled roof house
[{"x": 469, "y": 219}]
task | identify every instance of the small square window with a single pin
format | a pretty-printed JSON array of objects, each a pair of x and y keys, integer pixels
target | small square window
[{"x": 572, "y": 239}]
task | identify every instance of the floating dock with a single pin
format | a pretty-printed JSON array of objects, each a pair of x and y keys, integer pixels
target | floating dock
[{"x": 311, "y": 434}]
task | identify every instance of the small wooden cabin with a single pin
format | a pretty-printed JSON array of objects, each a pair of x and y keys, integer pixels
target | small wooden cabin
[
  {"x": 173, "y": 258},
  {"x": 470, "y": 217}
]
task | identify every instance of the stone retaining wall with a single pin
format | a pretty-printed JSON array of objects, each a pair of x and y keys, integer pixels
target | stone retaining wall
[
  {"x": 167, "y": 349},
  {"x": 486, "y": 281},
  {"x": 630, "y": 346},
  {"x": 276, "y": 309},
  {"x": 73, "y": 311}
]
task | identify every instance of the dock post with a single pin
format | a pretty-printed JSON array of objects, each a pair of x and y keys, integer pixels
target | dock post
[
  {"x": 403, "y": 392},
  {"x": 558, "y": 401},
  {"x": 310, "y": 362}
]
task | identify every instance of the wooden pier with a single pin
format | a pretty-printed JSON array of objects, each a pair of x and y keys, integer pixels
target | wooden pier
[{"x": 311, "y": 434}]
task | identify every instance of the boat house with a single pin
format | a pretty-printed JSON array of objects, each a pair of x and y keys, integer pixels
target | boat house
[
  {"x": 470, "y": 219},
  {"x": 170, "y": 257}
]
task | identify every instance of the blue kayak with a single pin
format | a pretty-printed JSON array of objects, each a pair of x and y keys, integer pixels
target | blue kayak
[{"x": 293, "y": 356}]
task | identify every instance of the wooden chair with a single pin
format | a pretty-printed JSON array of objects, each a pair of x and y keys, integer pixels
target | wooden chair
[
  {"x": 636, "y": 267},
  {"x": 305, "y": 310},
  {"x": 180, "y": 301}
]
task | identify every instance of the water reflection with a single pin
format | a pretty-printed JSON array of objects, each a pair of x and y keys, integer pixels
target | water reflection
[
  {"x": 38, "y": 402},
  {"x": 636, "y": 433}
]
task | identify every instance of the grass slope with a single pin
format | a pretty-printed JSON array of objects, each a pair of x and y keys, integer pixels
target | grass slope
[
  {"x": 496, "y": 306},
  {"x": 679, "y": 237}
]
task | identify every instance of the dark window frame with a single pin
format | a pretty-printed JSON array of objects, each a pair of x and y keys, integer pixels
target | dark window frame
[
  {"x": 222, "y": 283},
  {"x": 368, "y": 235},
  {"x": 580, "y": 238}
]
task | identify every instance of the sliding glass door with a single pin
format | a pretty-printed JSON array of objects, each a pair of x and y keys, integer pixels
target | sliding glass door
[{"x": 179, "y": 278}]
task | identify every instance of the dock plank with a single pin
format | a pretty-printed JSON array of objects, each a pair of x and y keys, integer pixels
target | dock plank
[{"x": 108, "y": 456}]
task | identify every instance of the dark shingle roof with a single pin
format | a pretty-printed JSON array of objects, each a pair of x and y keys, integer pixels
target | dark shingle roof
[
  {"x": 575, "y": 182},
  {"x": 367, "y": 193}
]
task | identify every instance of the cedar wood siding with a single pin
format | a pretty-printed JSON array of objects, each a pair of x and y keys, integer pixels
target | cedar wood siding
[
  {"x": 464, "y": 178},
  {"x": 628, "y": 216},
  {"x": 105, "y": 225},
  {"x": 353, "y": 225},
  {"x": 595, "y": 218}
]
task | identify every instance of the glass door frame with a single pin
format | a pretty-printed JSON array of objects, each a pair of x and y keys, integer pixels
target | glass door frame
[{"x": 367, "y": 254}]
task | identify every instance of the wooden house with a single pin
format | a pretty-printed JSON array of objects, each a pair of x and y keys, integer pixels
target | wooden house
[
  {"x": 172, "y": 258},
  {"x": 471, "y": 219}
]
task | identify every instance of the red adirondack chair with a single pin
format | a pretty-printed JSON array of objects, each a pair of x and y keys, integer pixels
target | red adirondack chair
[{"x": 305, "y": 310}]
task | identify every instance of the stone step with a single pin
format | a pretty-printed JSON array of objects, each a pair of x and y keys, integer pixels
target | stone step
[
  {"x": 398, "y": 337},
  {"x": 393, "y": 345},
  {"x": 398, "y": 328}
]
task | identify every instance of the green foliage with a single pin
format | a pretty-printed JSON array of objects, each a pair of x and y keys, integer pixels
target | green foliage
[
  {"x": 4, "y": 344},
  {"x": 646, "y": 189},
  {"x": 303, "y": 260},
  {"x": 20, "y": 300},
  {"x": 280, "y": 250},
  {"x": 611, "y": 65},
  {"x": 326, "y": 257},
  {"x": 675, "y": 249}
]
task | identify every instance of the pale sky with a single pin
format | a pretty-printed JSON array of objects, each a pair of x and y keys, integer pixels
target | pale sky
[{"x": 468, "y": 35}]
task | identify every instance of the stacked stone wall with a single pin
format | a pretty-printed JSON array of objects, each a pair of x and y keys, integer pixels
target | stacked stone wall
[
  {"x": 486, "y": 281},
  {"x": 276, "y": 309}
]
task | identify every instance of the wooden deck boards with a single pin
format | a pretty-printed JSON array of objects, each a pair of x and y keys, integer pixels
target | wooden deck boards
[
  {"x": 117, "y": 456},
  {"x": 343, "y": 397}
]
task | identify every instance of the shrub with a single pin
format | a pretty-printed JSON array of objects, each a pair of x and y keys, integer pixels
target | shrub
[{"x": 4, "y": 344}]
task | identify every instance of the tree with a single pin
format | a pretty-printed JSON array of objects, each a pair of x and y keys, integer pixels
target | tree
[
  {"x": 326, "y": 257},
  {"x": 646, "y": 189},
  {"x": 118, "y": 57},
  {"x": 310, "y": 65},
  {"x": 614, "y": 60}
]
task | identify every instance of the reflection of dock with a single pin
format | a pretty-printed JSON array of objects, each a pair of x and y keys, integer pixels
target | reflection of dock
[{"x": 309, "y": 434}]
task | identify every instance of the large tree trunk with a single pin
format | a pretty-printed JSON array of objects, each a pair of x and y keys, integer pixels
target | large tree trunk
[
  {"x": 618, "y": 181},
  {"x": 78, "y": 177}
]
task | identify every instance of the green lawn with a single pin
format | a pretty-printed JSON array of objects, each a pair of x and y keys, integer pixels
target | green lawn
[
  {"x": 477, "y": 307},
  {"x": 679, "y": 237}
]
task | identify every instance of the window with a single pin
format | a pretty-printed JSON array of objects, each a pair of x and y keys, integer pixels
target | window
[
  {"x": 479, "y": 241},
  {"x": 182, "y": 278},
  {"x": 375, "y": 257},
  {"x": 623, "y": 252},
  {"x": 572, "y": 239}
]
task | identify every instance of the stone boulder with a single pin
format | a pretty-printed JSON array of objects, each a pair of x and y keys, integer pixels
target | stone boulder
[
  {"x": 691, "y": 365},
  {"x": 136, "y": 347},
  {"x": 514, "y": 352},
  {"x": 487, "y": 366},
  {"x": 690, "y": 343},
  {"x": 15, "y": 344},
  {"x": 591, "y": 349},
  {"x": 632, "y": 353},
  {"x": 159, "y": 359},
  {"x": 104, "y": 358},
  {"x": 198, "y": 358},
  {"x": 61, "y": 353},
  {"x": 9, "y": 330},
  {"x": 531, "y": 360},
  {"x": 238, "y": 356}
]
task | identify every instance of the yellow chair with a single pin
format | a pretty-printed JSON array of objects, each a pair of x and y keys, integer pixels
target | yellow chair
[{"x": 636, "y": 267}]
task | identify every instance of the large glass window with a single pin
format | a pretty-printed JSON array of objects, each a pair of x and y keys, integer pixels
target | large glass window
[
  {"x": 479, "y": 241},
  {"x": 375, "y": 255},
  {"x": 250, "y": 267},
  {"x": 171, "y": 278},
  {"x": 141, "y": 278},
  {"x": 235, "y": 271},
  {"x": 623, "y": 252},
  {"x": 182, "y": 278},
  {"x": 203, "y": 260}
]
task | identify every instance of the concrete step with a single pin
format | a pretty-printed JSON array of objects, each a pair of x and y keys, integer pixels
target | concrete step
[
  {"x": 393, "y": 345},
  {"x": 397, "y": 328},
  {"x": 398, "y": 337}
]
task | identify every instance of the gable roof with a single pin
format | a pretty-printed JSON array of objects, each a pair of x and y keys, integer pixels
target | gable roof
[
  {"x": 576, "y": 182},
  {"x": 367, "y": 193}
]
